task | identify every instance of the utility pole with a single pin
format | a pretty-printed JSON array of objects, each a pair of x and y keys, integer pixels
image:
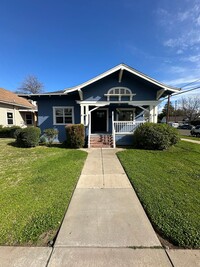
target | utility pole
[{"x": 168, "y": 105}]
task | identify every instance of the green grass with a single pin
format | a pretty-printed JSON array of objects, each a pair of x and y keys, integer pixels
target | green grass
[
  {"x": 168, "y": 186},
  {"x": 36, "y": 187}
]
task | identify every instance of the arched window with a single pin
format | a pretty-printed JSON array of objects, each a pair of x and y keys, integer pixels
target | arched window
[{"x": 117, "y": 93}]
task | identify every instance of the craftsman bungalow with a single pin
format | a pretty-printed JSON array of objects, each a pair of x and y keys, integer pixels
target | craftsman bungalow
[{"x": 110, "y": 105}]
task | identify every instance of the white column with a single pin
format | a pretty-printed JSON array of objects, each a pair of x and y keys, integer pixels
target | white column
[
  {"x": 82, "y": 114},
  {"x": 86, "y": 115},
  {"x": 155, "y": 114},
  {"x": 151, "y": 113}
]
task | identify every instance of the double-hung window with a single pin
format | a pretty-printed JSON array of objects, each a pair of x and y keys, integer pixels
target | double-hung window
[
  {"x": 63, "y": 115},
  {"x": 10, "y": 118},
  {"x": 29, "y": 119}
]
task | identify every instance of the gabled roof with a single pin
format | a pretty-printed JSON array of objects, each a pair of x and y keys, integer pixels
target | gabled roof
[
  {"x": 129, "y": 69},
  {"x": 10, "y": 98}
]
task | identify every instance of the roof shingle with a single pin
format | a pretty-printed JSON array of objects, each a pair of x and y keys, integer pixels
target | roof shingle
[{"x": 13, "y": 99}]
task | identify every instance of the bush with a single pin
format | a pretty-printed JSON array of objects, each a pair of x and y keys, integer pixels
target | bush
[
  {"x": 75, "y": 135},
  {"x": 28, "y": 137},
  {"x": 50, "y": 135},
  {"x": 155, "y": 136},
  {"x": 8, "y": 132}
]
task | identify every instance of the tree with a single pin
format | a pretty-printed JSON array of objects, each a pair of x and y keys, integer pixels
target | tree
[
  {"x": 164, "y": 111},
  {"x": 191, "y": 107},
  {"x": 31, "y": 85}
]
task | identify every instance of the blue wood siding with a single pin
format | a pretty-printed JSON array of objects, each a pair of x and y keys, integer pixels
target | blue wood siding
[
  {"x": 124, "y": 140},
  {"x": 45, "y": 112},
  {"x": 143, "y": 89}
]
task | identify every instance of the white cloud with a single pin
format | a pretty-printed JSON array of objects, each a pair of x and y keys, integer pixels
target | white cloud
[{"x": 185, "y": 33}]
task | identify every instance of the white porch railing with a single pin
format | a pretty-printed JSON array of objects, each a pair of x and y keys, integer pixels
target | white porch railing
[
  {"x": 126, "y": 127},
  {"x": 123, "y": 127}
]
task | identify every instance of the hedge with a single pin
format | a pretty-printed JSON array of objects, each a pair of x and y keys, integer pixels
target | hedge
[
  {"x": 28, "y": 137},
  {"x": 75, "y": 135},
  {"x": 8, "y": 132},
  {"x": 155, "y": 136}
]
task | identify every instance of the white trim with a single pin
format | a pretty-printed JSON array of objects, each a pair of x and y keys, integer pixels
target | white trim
[
  {"x": 133, "y": 103},
  {"x": 119, "y": 95},
  {"x": 12, "y": 111},
  {"x": 80, "y": 94},
  {"x": 62, "y": 107},
  {"x": 127, "y": 68}
]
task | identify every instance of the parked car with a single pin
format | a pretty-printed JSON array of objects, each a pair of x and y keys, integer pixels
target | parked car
[
  {"x": 174, "y": 124},
  {"x": 186, "y": 127},
  {"x": 195, "y": 131}
]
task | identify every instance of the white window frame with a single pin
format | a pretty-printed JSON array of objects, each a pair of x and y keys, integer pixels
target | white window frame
[
  {"x": 62, "y": 107},
  {"x": 125, "y": 109},
  {"x": 9, "y": 111},
  {"x": 112, "y": 92}
]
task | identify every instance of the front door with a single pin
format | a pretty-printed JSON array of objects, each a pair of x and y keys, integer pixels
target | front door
[{"x": 99, "y": 121}]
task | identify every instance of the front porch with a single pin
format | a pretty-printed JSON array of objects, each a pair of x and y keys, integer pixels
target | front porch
[{"x": 110, "y": 124}]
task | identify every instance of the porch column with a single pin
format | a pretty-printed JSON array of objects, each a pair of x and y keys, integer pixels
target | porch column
[
  {"x": 86, "y": 115},
  {"x": 82, "y": 114},
  {"x": 153, "y": 112}
]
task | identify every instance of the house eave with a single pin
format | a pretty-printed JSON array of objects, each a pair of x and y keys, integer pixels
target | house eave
[
  {"x": 15, "y": 104},
  {"x": 121, "y": 68}
]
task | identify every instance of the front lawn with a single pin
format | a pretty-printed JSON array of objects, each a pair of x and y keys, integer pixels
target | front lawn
[
  {"x": 36, "y": 186},
  {"x": 168, "y": 185}
]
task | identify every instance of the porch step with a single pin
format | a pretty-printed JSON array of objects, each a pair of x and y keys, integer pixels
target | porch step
[{"x": 101, "y": 141}]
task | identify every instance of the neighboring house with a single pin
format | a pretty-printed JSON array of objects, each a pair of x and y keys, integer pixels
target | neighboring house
[
  {"x": 15, "y": 110},
  {"x": 110, "y": 105}
]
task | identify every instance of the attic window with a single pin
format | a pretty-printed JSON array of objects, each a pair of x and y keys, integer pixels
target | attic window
[{"x": 119, "y": 94}]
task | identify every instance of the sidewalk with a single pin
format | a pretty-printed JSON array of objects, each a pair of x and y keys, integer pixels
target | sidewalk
[
  {"x": 105, "y": 225},
  {"x": 191, "y": 141}
]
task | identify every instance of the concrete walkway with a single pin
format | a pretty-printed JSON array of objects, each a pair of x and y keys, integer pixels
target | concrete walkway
[
  {"x": 105, "y": 225},
  {"x": 191, "y": 141}
]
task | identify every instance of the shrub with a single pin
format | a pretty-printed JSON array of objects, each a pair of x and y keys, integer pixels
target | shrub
[
  {"x": 28, "y": 137},
  {"x": 155, "y": 136},
  {"x": 50, "y": 135},
  {"x": 75, "y": 135},
  {"x": 7, "y": 132}
]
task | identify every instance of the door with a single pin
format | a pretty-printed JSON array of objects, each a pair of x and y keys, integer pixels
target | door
[{"x": 99, "y": 121}]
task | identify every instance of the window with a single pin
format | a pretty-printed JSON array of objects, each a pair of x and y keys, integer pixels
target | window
[
  {"x": 10, "y": 117},
  {"x": 125, "y": 115},
  {"x": 118, "y": 93},
  {"x": 63, "y": 115},
  {"x": 29, "y": 119}
]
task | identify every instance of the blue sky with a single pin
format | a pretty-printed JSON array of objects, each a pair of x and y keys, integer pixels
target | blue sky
[{"x": 65, "y": 42}]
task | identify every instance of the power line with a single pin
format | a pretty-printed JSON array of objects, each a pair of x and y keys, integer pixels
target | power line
[
  {"x": 183, "y": 92},
  {"x": 192, "y": 89},
  {"x": 190, "y": 83}
]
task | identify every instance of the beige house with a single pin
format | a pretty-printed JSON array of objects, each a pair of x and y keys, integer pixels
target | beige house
[{"x": 15, "y": 110}]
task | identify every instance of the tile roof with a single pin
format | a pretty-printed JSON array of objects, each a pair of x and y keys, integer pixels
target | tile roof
[{"x": 11, "y": 98}]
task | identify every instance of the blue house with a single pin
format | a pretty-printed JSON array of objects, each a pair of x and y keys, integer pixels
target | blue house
[{"x": 111, "y": 106}]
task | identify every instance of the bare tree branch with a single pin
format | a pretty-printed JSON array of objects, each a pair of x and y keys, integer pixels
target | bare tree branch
[
  {"x": 31, "y": 85},
  {"x": 191, "y": 107}
]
